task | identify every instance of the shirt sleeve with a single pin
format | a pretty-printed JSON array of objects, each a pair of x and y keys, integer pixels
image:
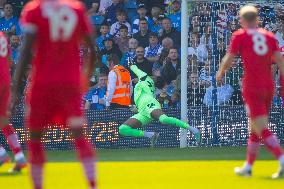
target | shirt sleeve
[
  {"x": 111, "y": 86},
  {"x": 234, "y": 45}
]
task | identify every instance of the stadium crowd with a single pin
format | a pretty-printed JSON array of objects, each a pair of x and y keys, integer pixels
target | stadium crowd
[{"x": 148, "y": 32}]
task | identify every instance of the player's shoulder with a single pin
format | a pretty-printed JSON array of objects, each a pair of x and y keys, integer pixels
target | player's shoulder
[
  {"x": 239, "y": 32},
  {"x": 266, "y": 33}
]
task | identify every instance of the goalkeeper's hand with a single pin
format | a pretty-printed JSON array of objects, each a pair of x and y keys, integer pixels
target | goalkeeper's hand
[{"x": 133, "y": 109}]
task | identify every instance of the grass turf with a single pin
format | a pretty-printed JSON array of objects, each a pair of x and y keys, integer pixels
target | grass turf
[{"x": 153, "y": 168}]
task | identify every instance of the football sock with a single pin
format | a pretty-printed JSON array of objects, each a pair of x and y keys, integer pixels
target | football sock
[
  {"x": 12, "y": 138},
  {"x": 86, "y": 156},
  {"x": 37, "y": 159},
  {"x": 271, "y": 142},
  {"x": 126, "y": 130},
  {"x": 252, "y": 148},
  {"x": 176, "y": 122}
]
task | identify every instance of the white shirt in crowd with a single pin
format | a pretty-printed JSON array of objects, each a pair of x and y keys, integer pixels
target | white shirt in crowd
[
  {"x": 114, "y": 29},
  {"x": 224, "y": 93},
  {"x": 104, "y": 4},
  {"x": 200, "y": 51},
  {"x": 111, "y": 87}
]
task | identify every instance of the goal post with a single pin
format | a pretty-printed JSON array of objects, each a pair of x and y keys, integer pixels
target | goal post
[{"x": 184, "y": 53}]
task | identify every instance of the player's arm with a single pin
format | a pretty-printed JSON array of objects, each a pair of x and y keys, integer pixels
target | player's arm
[
  {"x": 139, "y": 73},
  {"x": 25, "y": 59},
  {"x": 224, "y": 66}
]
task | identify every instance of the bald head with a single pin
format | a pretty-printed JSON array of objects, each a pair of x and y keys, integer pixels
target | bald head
[{"x": 249, "y": 13}]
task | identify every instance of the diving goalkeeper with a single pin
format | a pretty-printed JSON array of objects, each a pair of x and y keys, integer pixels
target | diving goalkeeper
[{"x": 149, "y": 109}]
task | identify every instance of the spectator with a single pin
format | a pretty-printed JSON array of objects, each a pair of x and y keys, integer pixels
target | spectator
[
  {"x": 150, "y": 4},
  {"x": 122, "y": 40},
  {"x": 104, "y": 30},
  {"x": 195, "y": 90},
  {"x": 205, "y": 76},
  {"x": 169, "y": 31},
  {"x": 175, "y": 100},
  {"x": 9, "y": 24},
  {"x": 192, "y": 64},
  {"x": 131, "y": 53},
  {"x": 163, "y": 98},
  {"x": 280, "y": 34},
  {"x": 110, "y": 48},
  {"x": 175, "y": 15},
  {"x": 15, "y": 43},
  {"x": 153, "y": 51},
  {"x": 94, "y": 99},
  {"x": 142, "y": 11},
  {"x": 119, "y": 85},
  {"x": 171, "y": 66},
  {"x": 157, "y": 17},
  {"x": 92, "y": 6},
  {"x": 206, "y": 38},
  {"x": 143, "y": 35},
  {"x": 110, "y": 15},
  {"x": 198, "y": 49},
  {"x": 195, "y": 24},
  {"x": 2, "y": 3},
  {"x": 121, "y": 20},
  {"x": 167, "y": 44},
  {"x": 233, "y": 77},
  {"x": 142, "y": 63}
]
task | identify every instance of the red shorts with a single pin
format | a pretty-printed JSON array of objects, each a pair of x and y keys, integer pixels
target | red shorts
[
  {"x": 258, "y": 101},
  {"x": 4, "y": 100},
  {"x": 53, "y": 105}
]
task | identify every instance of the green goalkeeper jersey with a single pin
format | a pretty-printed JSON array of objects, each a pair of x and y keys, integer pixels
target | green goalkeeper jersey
[{"x": 145, "y": 85}]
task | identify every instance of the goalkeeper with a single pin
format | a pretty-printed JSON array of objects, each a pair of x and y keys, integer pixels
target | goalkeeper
[{"x": 149, "y": 109}]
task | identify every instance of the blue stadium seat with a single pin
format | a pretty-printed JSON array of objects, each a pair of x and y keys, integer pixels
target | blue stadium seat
[{"x": 97, "y": 20}]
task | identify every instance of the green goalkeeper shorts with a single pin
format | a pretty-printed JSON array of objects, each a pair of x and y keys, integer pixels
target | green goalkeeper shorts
[{"x": 145, "y": 107}]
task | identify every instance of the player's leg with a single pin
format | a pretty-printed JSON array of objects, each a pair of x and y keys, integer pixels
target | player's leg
[
  {"x": 253, "y": 146},
  {"x": 270, "y": 141},
  {"x": 9, "y": 132},
  {"x": 36, "y": 157},
  {"x": 129, "y": 128},
  {"x": 4, "y": 157},
  {"x": 84, "y": 149},
  {"x": 159, "y": 115}
]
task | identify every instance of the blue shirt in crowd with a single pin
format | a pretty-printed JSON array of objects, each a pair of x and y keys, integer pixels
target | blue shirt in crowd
[
  {"x": 7, "y": 24},
  {"x": 176, "y": 20},
  {"x": 94, "y": 95}
]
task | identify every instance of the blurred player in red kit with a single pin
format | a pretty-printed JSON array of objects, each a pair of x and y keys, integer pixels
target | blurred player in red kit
[
  {"x": 7, "y": 129},
  {"x": 258, "y": 48},
  {"x": 53, "y": 31}
]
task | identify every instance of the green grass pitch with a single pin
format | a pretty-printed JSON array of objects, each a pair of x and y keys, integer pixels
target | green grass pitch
[{"x": 200, "y": 168}]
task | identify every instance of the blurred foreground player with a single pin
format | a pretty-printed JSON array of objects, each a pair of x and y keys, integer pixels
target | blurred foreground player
[
  {"x": 7, "y": 129},
  {"x": 258, "y": 48},
  {"x": 53, "y": 30},
  {"x": 149, "y": 109}
]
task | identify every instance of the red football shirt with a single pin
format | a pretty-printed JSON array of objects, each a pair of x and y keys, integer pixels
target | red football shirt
[
  {"x": 256, "y": 47},
  {"x": 59, "y": 27},
  {"x": 4, "y": 63}
]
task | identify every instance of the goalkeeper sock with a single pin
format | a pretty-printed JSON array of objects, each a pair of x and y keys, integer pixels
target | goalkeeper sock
[
  {"x": 252, "y": 148},
  {"x": 126, "y": 130},
  {"x": 176, "y": 122}
]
